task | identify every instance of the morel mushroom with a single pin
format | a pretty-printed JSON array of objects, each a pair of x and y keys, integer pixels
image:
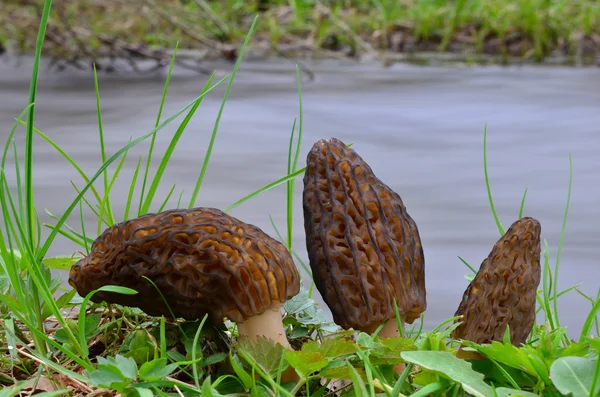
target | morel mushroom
[
  {"x": 364, "y": 248},
  {"x": 503, "y": 291},
  {"x": 203, "y": 261}
]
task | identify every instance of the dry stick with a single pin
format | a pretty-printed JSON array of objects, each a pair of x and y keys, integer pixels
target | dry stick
[{"x": 34, "y": 358}]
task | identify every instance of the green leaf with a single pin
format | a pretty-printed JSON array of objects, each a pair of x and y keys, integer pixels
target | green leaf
[
  {"x": 454, "y": 368},
  {"x": 506, "y": 354},
  {"x": 306, "y": 362},
  {"x": 61, "y": 262},
  {"x": 108, "y": 376},
  {"x": 573, "y": 375},
  {"x": 263, "y": 352},
  {"x": 507, "y": 392},
  {"x": 156, "y": 369},
  {"x": 332, "y": 348},
  {"x": 143, "y": 392},
  {"x": 126, "y": 365},
  {"x": 244, "y": 378},
  {"x": 339, "y": 370},
  {"x": 214, "y": 359}
]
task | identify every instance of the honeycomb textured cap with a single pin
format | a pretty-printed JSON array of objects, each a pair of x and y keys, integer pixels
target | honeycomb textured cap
[
  {"x": 202, "y": 260},
  {"x": 504, "y": 289},
  {"x": 364, "y": 248}
]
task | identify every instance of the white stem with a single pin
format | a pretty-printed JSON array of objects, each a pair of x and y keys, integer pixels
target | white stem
[
  {"x": 389, "y": 330},
  {"x": 267, "y": 324},
  {"x": 270, "y": 326}
]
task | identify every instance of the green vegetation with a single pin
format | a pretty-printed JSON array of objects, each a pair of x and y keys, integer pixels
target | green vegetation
[
  {"x": 85, "y": 31},
  {"x": 54, "y": 351}
]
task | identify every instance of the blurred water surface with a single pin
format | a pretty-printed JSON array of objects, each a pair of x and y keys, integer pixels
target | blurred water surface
[{"x": 420, "y": 129}]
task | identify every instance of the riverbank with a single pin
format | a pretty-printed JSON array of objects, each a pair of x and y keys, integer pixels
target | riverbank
[{"x": 479, "y": 31}]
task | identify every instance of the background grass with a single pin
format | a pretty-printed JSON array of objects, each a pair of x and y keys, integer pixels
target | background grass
[
  {"x": 124, "y": 350},
  {"x": 527, "y": 29}
]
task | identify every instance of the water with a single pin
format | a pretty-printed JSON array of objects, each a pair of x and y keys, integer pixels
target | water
[{"x": 421, "y": 130}]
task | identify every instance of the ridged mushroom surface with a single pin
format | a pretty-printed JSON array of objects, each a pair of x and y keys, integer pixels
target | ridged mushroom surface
[
  {"x": 364, "y": 248},
  {"x": 504, "y": 289},
  {"x": 201, "y": 259}
]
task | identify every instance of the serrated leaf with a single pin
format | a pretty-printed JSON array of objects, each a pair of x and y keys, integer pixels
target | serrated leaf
[
  {"x": 573, "y": 375},
  {"x": 454, "y": 368},
  {"x": 341, "y": 372},
  {"x": 367, "y": 341},
  {"x": 156, "y": 369},
  {"x": 108, "y": 376},
  {"x": 506, "y": 354},
  {"x": 127, "y": 365},
  {"x": 263, "y": 352},
  {"x": 61, "y": 262},
  {"x": 578, "y": 349},
  {"x": 306, "y": 362},
  {"x": 595, "y": 343}
]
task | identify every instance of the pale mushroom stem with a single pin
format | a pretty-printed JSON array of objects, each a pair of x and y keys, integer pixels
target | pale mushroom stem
[
  {"x": 390, "y": 330},
  {"x": 270, "y": 326}
]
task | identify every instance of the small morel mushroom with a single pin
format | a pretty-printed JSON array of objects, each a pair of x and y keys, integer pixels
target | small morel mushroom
[
  {"x": 364, "y": 248},
  {"x": 503, "y": 291},
  {"x": 203, "y": 261}
]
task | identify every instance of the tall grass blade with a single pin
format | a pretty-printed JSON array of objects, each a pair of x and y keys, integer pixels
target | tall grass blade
[
  {"x": 487, "y": 183},
  {"x": 158, "y": 116},
  {"x": 560, "y": 245},
  {"x": 169, "y": 152},
  {"x": 125, "y": 148},
  {"x": 216, "y": 127},
  {"x": 106, "y": 200},
  {"x": 30, "y": 122}
]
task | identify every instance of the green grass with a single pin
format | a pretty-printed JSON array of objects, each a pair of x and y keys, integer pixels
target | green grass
[
  {"x": 525, "y": 29},
  {"x": 124, "y": 350}
]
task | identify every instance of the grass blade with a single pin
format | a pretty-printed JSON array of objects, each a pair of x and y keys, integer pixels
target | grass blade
[
  {"x": 158, "y": 116},
  {"x": 487, "y": 183},
  {"x": 169, "y": 152},
  {"x": 216, "y": 127}
]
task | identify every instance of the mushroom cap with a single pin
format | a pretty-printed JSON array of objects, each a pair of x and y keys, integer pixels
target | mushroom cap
[
  {"x": 364, "y": 248},
  {"x": 504, "y": 289},
  {"x": 202, "y": 260}
]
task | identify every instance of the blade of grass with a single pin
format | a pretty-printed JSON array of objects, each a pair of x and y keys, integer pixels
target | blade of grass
[
  {"x": 290, "y": 188},
  {"x": 132, "y": 189},
  {"x": 158, "y": 116},
  {"x": 522, "y": 204},
  {"x": 487, "y": 183},
  {"x": 264, "y": 189},
  {"x": 467, "y": 264},
  {"x": 216, "y": 127},
  {"x": 30, "y": 123},
  {"x": 169, "y": 152},
  {"x": 591, "y": 318},
  {"x": 560, "y": 245},
  {"x": 125, "y": 148},
  {"x": 106, "y": 200}
]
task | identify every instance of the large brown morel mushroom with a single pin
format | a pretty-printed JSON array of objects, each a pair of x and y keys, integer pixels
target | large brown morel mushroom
[
  {"x": 364, "y": 248},
  {"x": 203, "y": 261},
  {"x": 504, "y": 289}
]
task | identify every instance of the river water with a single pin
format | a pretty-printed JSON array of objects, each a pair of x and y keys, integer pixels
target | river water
[{"x": 420, "y": 129}]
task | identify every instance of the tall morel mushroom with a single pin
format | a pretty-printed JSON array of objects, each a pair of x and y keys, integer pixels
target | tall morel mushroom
[
  {"x": 504, "y": 289},
  {"x": 203, "y": 261},
  {"x": 364, "y": 248}
]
